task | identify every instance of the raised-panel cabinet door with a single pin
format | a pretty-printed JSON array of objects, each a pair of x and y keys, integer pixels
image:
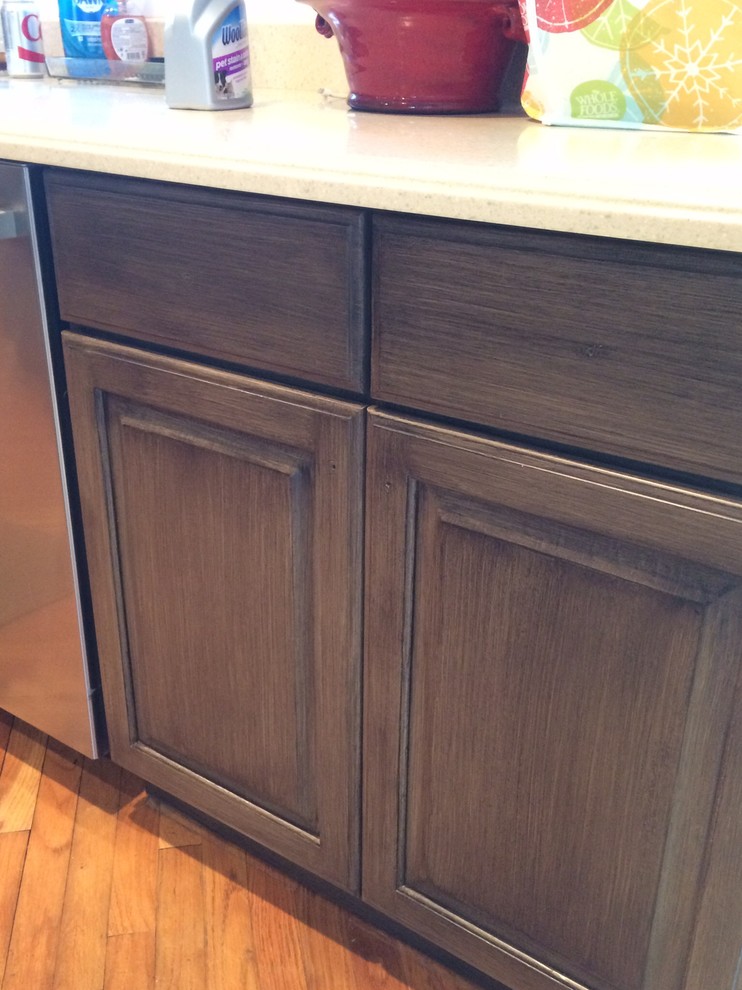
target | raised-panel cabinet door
[
  {"x": 223, "y": 526},
  {"x": 551, "y": 659}
]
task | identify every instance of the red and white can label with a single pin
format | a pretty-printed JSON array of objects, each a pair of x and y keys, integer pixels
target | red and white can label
[{"x": 24, "y": 47}]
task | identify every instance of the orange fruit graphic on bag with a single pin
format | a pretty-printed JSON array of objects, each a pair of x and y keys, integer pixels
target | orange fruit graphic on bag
[
  {"x": 682, "y": 62},
  {"x": 558, "y": 16},
  {"x": 532, "y": 105}
]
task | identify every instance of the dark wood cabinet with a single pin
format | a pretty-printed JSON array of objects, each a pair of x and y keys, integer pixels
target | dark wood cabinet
[
  {"x": 552, "y": 652},
  {"x": 223, "y": 523},
  {"x": 552, "y": 649}
]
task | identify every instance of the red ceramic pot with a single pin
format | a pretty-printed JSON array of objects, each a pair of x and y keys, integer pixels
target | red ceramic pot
[{"x": 423, "y": 56}]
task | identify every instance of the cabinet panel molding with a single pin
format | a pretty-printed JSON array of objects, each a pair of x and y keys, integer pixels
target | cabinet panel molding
[
  {"x": 552, "y": 696},
  {"x": 186, "y": 702},
  {"x": 714, "y": 961},
  {"x": 222, "y": 514}
]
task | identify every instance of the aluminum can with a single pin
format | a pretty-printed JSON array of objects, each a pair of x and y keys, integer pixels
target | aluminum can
[{"x": 24, "y": 49}]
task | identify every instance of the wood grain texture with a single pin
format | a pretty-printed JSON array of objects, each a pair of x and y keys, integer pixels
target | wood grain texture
[
  {"x": 81, "y": 954},
  {"x": 21, "y": 774},
  {"x": 180, "y": 959},
  {"x": 627, "y": 349},
  {"x": 6, "y": 725},
  {"x": 215, "y": 580},
  {"x": 36, "y": 926},
  {"x": 716, "y": 956},
  {"x": 133, "y": 900},
  {"x": 273, "y": 285},
  {"x": 377, "y": 957},
  {"x": 130, "y": 961},
  {"x": 701, "y": 771},
  {"x": 176, "y": 829},
  {"x": 12, "y": 858},
  {"x": 328, "y": 965},
  {"x": 555, "y": 697},
  {"x": 230, "y": 950},
  {"x": 552, "y": 738},
  {"x": 229, "y": 627},
  {"x": 417, "y": 967},
  {"x": 278, "y": 930},
  {"x": 211, "y": 894}
]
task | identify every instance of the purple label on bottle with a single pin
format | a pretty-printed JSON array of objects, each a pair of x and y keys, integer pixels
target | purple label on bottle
[{"x": 231, "y": 57}]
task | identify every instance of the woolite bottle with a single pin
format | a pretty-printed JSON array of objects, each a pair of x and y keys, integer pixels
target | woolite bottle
[{"x": 207, "y": 56}]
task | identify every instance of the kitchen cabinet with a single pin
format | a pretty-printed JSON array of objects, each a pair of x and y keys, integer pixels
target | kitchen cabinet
[
  {"x": 223, "y": 515},
  {"x": 554, "y": 639},
  {"x": 551, "y": 574},
  {"x": 551, "y": 659}
]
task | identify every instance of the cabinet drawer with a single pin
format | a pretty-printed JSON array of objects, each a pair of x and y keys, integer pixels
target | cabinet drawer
[
  {"x": 273, "y": 285},
  {"x": 631, "y": 350}
]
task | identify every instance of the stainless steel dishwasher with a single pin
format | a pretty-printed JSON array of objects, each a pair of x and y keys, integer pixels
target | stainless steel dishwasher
[{"x": 45, "y": 676}]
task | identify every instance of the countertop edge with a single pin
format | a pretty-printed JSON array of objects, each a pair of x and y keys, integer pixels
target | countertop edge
[{"x": 693, "y": 212}]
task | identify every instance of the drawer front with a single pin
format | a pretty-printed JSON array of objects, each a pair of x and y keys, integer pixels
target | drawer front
[
  {"x": 627, "y": 349},
  {"x": 273, "y": 285}
]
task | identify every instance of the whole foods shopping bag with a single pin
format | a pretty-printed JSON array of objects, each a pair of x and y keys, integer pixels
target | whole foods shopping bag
[{"x": 647, "y": 63}]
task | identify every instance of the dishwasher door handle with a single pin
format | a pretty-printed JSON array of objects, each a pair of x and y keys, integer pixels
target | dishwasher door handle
[{"x": 11, "y": 224}]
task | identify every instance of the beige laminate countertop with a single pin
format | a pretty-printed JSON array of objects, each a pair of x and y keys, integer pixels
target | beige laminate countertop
[{"x": 671, "y": 188}]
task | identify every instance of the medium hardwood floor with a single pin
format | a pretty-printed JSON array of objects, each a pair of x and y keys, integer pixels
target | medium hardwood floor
[{"x": 102, "y": 887}]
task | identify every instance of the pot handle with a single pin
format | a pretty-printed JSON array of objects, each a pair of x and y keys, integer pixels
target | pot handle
[
  {"x": 513, "y": 26},
  {"x": 322, "y": 27}
]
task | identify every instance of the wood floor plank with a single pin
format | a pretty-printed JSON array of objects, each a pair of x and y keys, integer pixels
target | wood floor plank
[
  {"x": 230, "y": 953},
  {"x": 130, "y": 961},
  {"x": 13, "y": 847},
  {"x": 176, "y": 829},
  {"x": 377, "y": 959},
  {"x": 423, "y": 973},
  {"x": 325, "y": 944},
  {"x": 35, "y": 935},
  {"x": 81, "y": 954},
  {"x": 180, "y": 957},
  {"x": 104, "y": 885},
  {"x": 276, "y": 929},
  {"x": 6, "y": 724},
  {"x": 19, "y": 780},
  {"x": 133, "y": 906}
]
